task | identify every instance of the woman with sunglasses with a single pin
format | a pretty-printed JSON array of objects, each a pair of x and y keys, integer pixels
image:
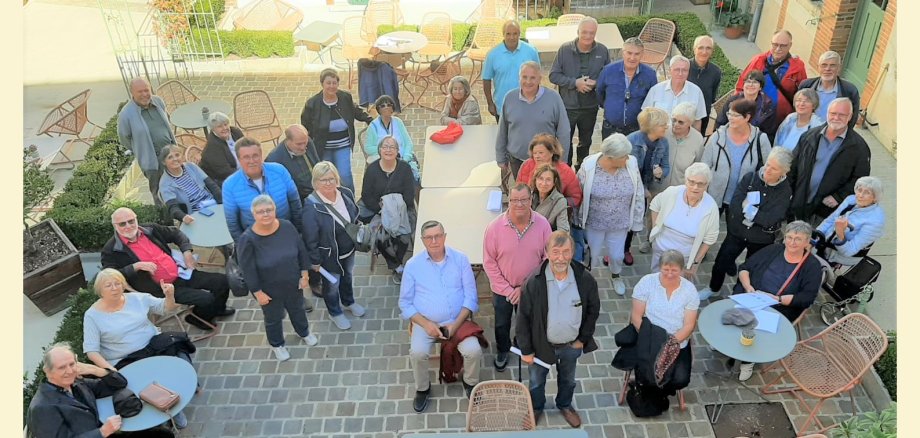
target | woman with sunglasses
[
  {"x": 752, "y": 91},
  {"x": 388, "y": 125}
]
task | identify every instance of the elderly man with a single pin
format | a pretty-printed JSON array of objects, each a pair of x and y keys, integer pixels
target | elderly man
[
  {"x": 705, "y": 74},
  {"x": 556, "y": 321},
  {"x": 529, "y": 110},
  {"x": 253, "y": 179},
  {"x": 783, "y": 72},
  {"x": 666, "y": 95},
  {"x": 143, "y": 127},
  {"x": 141, "y": 253},
  {"x": 622, "y": 89},
  {"x": 65, "y": 405},
  {"x": 829, "y": 86},
  {"x": 502, "y": 64},
  {"x": 298, "y": 155},
  {"x": 438, "y": 295},
  {"x": 512, "y": 248},
  {"x": 828, "y": 161},
  {"x": 575, "y": 70}
]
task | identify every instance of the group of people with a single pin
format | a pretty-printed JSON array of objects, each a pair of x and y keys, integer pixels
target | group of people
[{"x": 658, "y": 177}]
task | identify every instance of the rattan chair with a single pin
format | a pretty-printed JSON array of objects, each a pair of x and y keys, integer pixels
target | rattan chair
[
  {"x": 488, "y": 35},
  {"x": 175, "y": 94},
  {"x": 717, "y": 108},
  {"x": 269, "y": 15},
  {"x": 354, "y": 47},
  {"x": 498, "y": 406},
  {"x": 192, "y": 146},
  {"x": 569, "y": 19},
  {"x": 178, "y": 314},
  {"x": 255, "y": 115},
  {"x": 440, "y": 75},
  {"x": 656, "y": 37},
  {"x": 500, "y": 9},
  {"x": 70, "y": 117},
  {"x": 436, "y": 26},
  {"x": 378, "y": 13},
  {"x": 830, "y": 363}
]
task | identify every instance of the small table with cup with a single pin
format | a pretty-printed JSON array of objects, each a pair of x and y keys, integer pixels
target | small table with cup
[
  {"x": 194, "y": 115},
  {"x": 171, "y": 372}
]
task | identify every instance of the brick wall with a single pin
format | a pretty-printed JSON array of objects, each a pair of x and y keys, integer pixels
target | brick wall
[
  {"x": 781, "y": 21},
  {"x": 834, "y": 28}
]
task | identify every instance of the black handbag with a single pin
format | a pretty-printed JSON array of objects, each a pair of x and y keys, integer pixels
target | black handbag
[
  {"x": 235, "y": 277},
  {"x": 360, "y": 233},
  {"x": 126, "y": 403}
]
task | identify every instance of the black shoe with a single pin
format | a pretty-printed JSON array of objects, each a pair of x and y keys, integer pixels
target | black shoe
[
  {"x": 500, "y": 362},
  {"x": 317, "y": 290},
  {"x": 195, "y": 321},
  {"x": 537, "y": 415},
  {"x": 421, "y": 400},
  {"x": 228, "y": 311},
  {"x": 467, "y": 387}
]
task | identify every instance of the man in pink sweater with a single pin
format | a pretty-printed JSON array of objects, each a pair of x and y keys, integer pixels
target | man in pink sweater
[{"x": 513, "y": 248}]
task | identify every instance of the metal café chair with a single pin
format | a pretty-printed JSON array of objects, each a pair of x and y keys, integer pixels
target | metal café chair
[{"x": 255, "y": 115}]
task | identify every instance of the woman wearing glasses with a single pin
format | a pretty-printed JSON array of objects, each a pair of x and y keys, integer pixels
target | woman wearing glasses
[
  {"x": 326, "y": 212},
  {"x": 736, "y": 149},
  {"x": 685, "y": 146},
  {"x": 388, "y": 125},
  {"x": 752, "y": 91},
  {"x": 803, "y": 119}
]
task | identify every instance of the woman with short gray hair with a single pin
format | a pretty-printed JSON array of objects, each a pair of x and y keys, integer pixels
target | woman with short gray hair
[
  {"x": 806, "y": 104},
  {"x": 685, "y": 146},
  {"x": 184, "y": 187},
  {"x": 755, "y": 215},
  {"x": 276, "y": 269},
  {"x": 856, "y": 224},
  {"x": 460, "y": 105},
  {"x": 218, "y": 159}
]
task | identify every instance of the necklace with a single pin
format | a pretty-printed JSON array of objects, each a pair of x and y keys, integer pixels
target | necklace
[{"x": 690, "y": 205}]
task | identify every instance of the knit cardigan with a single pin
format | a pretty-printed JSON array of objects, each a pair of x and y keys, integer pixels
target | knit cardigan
[
  {"x": 134, "y": 134},
  {"x": 469, "y": 114},
  {"x": 708, "y": 230}
]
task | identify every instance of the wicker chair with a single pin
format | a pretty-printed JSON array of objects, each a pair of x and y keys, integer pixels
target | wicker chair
[
  {"x": 717, "y": 108},
  {"x": 436, "y": 26},
  {"x": 192, "y": 146},
  {"x": 500, "y": 9},
  {"x": 175, "y": 94},
  {"x": 440, "y": 74},
  {"x": 500, "y": 405},
  {"x": 656, "y": 37},
  {"x": 354, "y": 47},
  {"x": 178, "y": 314},
  {"x": 569, "y": 19},
  {"x": 378, "y": 13},
  {"x": 831, "y": 362},
  {"x": 488, "y": 35},
  {"x": 269, "y": 15},
  {"x": 70, "y": 117},
  {"x": 255, "y": 115}
]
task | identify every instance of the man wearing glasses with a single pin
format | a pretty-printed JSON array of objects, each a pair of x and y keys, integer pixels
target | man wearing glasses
[
  {"x": 829, "y": 86},
  {"x": 141, "y": 254},
  {"x": 666, "y": 95},
  {"x": 783, "y": 72},
  {"x": 512, "y": 248}
]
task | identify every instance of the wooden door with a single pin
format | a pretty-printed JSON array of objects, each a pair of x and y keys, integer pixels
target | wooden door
[{"x": 863, "y": 40}]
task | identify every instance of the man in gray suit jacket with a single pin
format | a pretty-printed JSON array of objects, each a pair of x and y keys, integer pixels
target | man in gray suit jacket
[{"x": 143, "y": 127}]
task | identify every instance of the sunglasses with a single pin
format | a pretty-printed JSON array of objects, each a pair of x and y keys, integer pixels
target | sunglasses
[
  {"x": 126, "y": 223},
  {"x": 385, "y": 105}
]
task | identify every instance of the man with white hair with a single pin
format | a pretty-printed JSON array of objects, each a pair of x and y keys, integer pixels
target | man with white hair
[
  {"x": 828, "y": 161},
  {"x": 665, "y": 95},
  {"x": 782, "y": 71},
  {"x": 829, "y": 86},
  {"x": 706, "y": 75},
  {"x": 143, "y": 128}
]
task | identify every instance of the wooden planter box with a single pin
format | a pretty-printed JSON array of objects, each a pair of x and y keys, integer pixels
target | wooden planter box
[{"x": 51, "y": 285}]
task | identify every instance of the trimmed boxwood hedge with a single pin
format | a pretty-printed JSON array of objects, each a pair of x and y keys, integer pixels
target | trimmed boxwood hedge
[{"x": 887, "y": 366}]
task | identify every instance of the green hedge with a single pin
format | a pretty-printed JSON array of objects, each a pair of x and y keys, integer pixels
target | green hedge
[
  {"x": 249, "y": 43},
  {"x": 216, "y": 7},
  {"x": 887, "y": 366}
]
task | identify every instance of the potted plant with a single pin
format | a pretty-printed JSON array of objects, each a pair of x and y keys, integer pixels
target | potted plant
[
  {"x": 735, "y": 24},
  {"x": 52, "y": 271}
]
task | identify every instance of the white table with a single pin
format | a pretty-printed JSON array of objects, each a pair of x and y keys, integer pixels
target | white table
[
  {"x": 462, "y": 211},
  {"x": 208, "y": 231},
  {"x": 402, "y": 41},
  {"x": 548, "y": 39},
  {"x": 469, "y": 162},
  {"x": 171, "y": 372}
]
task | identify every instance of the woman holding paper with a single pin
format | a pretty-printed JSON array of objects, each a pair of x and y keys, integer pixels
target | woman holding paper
[
  {"x": 276, "y": 269},
  {"x": 755, "y": 214}
]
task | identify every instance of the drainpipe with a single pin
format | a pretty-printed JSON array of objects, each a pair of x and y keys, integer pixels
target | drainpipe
[{"x": 755, "y": 22}]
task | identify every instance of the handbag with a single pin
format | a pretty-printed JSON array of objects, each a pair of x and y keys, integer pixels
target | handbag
[
  {"x": 235, "y": 277},
  {"x": 360, "y": 233},
  {"x": 126, "y": 403},
  {"x": 855, "y": 279},
  {"x": 159, "y": 396}
]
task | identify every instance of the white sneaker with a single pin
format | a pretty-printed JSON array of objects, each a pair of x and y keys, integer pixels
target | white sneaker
[
  {"x": 341, "y": 322},
  {"x": 645, "y": 247},
  {"x": 310, "y": 339},
  {"x": 746, "y": 370},
  {"x": 355, "y": 309},
  {"x": 705, "y": 294},
  {"x": 281, "y": 353},
  {"x": 619, "y": 286}
]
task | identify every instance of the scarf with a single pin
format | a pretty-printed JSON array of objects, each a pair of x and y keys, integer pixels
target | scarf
[{"x": 455, "y": 106}]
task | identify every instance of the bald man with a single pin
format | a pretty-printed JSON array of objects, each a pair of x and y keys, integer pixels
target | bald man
[
  {"x": 143, "y": 127},
  {"x": 502, "y": 65},
  {"x": 298, "y": 155},
  {"x": 782, "y": 71}
]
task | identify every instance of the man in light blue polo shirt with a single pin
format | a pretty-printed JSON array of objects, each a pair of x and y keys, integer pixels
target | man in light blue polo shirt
[{"x": 502, "y": 65}]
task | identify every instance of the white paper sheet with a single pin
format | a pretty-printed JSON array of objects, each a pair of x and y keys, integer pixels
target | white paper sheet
[
  {"x": 753, "y": 301},
  {"x": 495, "y": 201},
  {"x": 536, "y": 360},
  {"x": 767, "y": 321}
]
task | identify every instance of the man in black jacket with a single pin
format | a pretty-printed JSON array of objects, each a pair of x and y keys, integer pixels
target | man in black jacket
[
  {"x": 829, "y": 86},
  {"x": 828, "y": 161},
  {"x": 141, "y": 254},
  {"x": 556, "y": 321}
]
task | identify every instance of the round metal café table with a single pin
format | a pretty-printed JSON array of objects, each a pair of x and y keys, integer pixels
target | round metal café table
[
  {"x": 171, "y": 372},
  {"x": 401, "y": 42},
  {"x": 189, "y": 116},
  {"x": 208, "y": 231}
]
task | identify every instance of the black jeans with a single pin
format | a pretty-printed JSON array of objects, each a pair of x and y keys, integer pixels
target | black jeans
[
  {"x": 584, "y": 119},
  {"x": 515, "y": 167},
  {"x": 725, "y": 260},
  {"x": 207, "y": 291},
  {"x": 607, "y": 128},
  {"x": 153, "y": 183},
  {"x": 504, "y": 311}
]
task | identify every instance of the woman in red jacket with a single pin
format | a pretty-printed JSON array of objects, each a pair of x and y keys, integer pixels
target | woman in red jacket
[
  {"x": 546, "y": 149},
  {"x": 787, "y": 69}
]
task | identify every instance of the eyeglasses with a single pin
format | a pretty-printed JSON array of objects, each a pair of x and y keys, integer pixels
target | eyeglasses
[
  {"x": 678, "y": 122},
  {"x": 751, "y": 82},
  {"x": 264, "y": 211},
  {"x": 732, "y": 114},
  {"x": 795, "y": 239},
  {"x": 126, "y": 223},
  {"x": 388, "y": 146},
  {"x": 433, "y": 237},
  {"x": 692, "y": 183},
  {"x": 326, "y": 181},
  {"x": 522, "y": 201},
  {"x": 837, "y": 115},
  {"x": 780, "y": 46}
]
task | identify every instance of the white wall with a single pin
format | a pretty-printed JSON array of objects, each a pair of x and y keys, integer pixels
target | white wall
[{"x": 883, "y": 106}]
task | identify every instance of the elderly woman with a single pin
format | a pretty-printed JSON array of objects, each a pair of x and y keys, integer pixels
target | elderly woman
[
  {"x": 546, "y": 149},
  {"x": 734, "y": 150},
  {"x": 184, "y": 187},
  {"x": 784, "y": 272},
  {"x": 330, "y": 248},
  {"x": 854, "y": 226},
  {"x": 548, "y": 199},
  {"x": 754, "y": 217},
  {"x": 685, "y": 146},
  {"x": 669, "y": 301},
  {"x": 685, "y": 218},
  {"x": 117, "y": 330},
  {"x": 752, "y": 91},
  {"x": 614, "y": 203},
  {"x": 804, "y": 118},
  {"x": 652, "y": 151},
  {"x": 218, "y": 159},
  {"x": 329, "y": 117},
  {"x": 389, "y": 175},
  {"x": 276, "y": 270},
  {"x": 460, "y": 106},
  {"x": 388, "y": 125}
]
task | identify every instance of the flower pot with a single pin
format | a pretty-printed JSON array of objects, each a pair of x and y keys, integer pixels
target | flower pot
[
  {"x": 733, "y": 33},
  {"x": 54, "y": 271}
]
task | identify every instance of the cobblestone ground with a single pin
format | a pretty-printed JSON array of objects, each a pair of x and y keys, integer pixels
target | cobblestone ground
[{"x": 358, "y": 383}]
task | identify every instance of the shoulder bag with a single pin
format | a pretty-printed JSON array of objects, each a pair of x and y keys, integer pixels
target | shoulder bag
[{"x": 359, "y": 233}]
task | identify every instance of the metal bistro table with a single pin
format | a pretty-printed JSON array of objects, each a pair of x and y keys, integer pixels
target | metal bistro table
[
  {"x": 208, "y": 231},
  {"x": 548, "y": 39},
  {"x": 189, "y": 116},
  {"x": 726, "y": 339},
  {"x": 470, "y": 162},
  {"x": 318, "y": 37},
  {"x": 556, "y": 433},
  {"x": 171, "y": 372}
]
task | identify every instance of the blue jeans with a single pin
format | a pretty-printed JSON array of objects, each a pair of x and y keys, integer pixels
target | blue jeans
[
  {"x": 578, "y": 235},
  {"x": 566, "y": 359},
  {"x": 342, "y": 290},
  {"x": 291, "y": 302},
  {"x": 341, "y": 157},
  {"x": 504, "y": 310}
]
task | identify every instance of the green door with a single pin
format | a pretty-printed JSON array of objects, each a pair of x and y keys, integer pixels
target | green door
[{"x": 862, "y": 41}]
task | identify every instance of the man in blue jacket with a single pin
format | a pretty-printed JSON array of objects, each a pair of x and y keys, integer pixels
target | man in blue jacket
[{"x": 622, "y": 88}]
